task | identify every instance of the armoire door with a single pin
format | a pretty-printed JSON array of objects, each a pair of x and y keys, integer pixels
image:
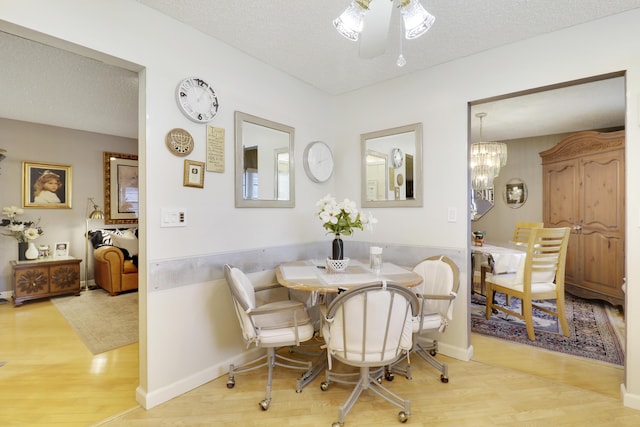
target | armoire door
[
  {"x": 583, "y": 188},
  {"x": 561, "y": 208},
  {"x": 602, "y": 226}
]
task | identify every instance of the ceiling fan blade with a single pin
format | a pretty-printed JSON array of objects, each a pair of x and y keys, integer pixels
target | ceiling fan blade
[{"x": 375, "y": 31}]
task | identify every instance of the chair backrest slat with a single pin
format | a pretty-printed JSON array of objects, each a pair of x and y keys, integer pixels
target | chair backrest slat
[
  {"x": 523, "y": 229},
  {"x": 546, "y": 257}
]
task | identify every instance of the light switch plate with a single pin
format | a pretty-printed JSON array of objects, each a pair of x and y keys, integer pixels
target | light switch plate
[
  {"x": 173, "y": 217},
  {"x": 452, "y": 214}
]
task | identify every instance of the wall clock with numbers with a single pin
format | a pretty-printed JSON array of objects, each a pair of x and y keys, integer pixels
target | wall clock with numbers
[{"x": 197, "y": 100}]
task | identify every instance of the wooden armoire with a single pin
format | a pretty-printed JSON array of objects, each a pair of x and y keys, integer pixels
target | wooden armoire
[{"x": 584, "y": 189}]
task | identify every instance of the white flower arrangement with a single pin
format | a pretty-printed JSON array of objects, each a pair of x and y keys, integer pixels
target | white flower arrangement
[
  {"x": 343, "y": 217},
  {"x": 22, "y": 231}
]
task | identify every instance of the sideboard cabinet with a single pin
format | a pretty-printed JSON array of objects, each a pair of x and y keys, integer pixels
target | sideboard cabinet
[
  {"x": 45, "y": 278},
  {"x": 583, "y": 188}
]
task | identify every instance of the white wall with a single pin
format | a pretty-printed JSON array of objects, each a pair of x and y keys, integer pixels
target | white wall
[{"x": 171, "y": 361}]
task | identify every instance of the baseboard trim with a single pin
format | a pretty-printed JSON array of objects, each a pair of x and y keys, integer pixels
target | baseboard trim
[
  {"x": 170, "y": 391},
  {"x": 629, "y": 400},
  {"x": 459, "y": 353}
]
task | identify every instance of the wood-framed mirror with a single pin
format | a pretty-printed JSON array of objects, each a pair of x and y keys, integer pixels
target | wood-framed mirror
[
  {"x": 120, "y": 188},
  {"x": 264, "y": 165},
  {"x": 387, "y": 155}
]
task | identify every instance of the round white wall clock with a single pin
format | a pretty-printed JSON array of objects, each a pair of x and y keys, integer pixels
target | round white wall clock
[
  {"x": 197, "y": 100},
  {"x": 318, "y": 161}
]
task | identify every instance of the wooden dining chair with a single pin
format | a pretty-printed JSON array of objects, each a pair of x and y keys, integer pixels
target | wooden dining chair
[
  {"x": 521, "y": 234},
  {"x": 523, "y": 229},
  {"x": 540, "y": 278}
]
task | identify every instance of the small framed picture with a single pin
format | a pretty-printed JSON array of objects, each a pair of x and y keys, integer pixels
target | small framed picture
[
  {"x": 46, "y": 185},
  {"x": 193, "y": 174},
  {"x": 61, "y": 250},
  {"x": 515, "y": 193}
]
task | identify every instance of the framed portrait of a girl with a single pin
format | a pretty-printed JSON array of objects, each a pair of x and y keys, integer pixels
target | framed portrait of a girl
[{"x": 46, "y": 185}]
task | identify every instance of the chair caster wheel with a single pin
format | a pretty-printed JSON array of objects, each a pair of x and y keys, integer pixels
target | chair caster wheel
[
  {"x": 324, "y": 386},
  {"x": 444, "y": 379},
  {"x": 231, "y": 383},
  {"x": 337, "y": 424},
  {"x": 433, "y": 353},
  {"x": 402, "y": 417},
  {"x": 389, "y": 376},
  {"x": 264, "y": 404}
]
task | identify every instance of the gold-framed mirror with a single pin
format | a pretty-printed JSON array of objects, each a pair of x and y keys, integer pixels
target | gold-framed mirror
[
  {"x": 264, "y": 176},
  {"x": 387, "y": 155},
  {"x": 121, "y": 198}
]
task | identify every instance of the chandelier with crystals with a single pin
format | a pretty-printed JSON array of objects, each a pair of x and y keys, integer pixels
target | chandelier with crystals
[{"x": 486, "y": 160}]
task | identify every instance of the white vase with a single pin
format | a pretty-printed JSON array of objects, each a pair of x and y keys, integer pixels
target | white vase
[{"x": 32, "y": 251}]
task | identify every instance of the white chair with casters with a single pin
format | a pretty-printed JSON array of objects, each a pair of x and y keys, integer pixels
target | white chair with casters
[
  {"x": 369, "y": 326},
  {"x": 436, "y": 293},
  {"x": 269, "y": 326}
]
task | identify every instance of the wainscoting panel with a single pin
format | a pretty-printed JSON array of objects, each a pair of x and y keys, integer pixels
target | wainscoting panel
[{"x": 174, "y": 273}]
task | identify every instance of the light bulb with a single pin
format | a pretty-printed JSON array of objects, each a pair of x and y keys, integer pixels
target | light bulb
[{"x": 401, "y": 62}]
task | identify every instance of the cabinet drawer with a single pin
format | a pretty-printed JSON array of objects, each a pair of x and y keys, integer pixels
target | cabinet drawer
[
  {"x": 32, "y": 281},
  {"x": 64, "y": 278}
]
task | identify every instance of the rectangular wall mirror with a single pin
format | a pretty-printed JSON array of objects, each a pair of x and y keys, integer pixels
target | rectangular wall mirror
[
  {"x": 264, "y": 163},
  {"x": 392, "y": 167}
]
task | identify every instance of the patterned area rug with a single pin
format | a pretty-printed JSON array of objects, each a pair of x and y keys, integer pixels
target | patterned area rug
[
  {"x": 101, "y": 321},
  {"x": 591, "y": 334}
]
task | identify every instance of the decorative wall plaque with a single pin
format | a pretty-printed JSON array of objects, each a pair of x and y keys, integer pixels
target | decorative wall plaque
[{"x": 215, "y": 149}]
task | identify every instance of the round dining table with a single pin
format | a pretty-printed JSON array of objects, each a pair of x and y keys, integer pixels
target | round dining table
[{"x": 314, "y": 276}]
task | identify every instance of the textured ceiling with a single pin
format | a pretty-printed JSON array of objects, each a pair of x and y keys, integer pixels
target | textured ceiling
[
  {"x": 298, "y": 38},
  {"x": 51, "y": 86}
]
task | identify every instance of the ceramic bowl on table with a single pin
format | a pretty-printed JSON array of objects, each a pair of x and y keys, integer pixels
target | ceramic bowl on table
[{"x": 337, "y": 265}]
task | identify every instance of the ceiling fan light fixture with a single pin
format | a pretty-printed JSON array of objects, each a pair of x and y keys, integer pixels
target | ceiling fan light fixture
[
  {"x": 417, "y": 20},
  {"x": 350, "y": 22}
]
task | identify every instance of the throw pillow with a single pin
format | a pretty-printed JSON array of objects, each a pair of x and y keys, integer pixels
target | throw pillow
[
  {"x": 127, "y": 240},
  {"x": 100, "y": 237}
]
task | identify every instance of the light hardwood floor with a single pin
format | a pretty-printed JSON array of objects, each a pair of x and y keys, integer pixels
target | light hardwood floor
[{"x": 51, "y": 379}]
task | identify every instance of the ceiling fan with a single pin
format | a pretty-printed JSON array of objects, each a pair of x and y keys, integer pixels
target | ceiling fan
[{"x": 369, "y": 22}]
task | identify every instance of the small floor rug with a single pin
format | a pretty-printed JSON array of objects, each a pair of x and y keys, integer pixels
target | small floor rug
[
  {"x": 101, "y": 321},
  {"x": 591, "y": 334}
]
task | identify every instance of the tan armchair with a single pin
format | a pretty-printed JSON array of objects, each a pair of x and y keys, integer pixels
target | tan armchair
[{"x": 113, "y": 272}]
